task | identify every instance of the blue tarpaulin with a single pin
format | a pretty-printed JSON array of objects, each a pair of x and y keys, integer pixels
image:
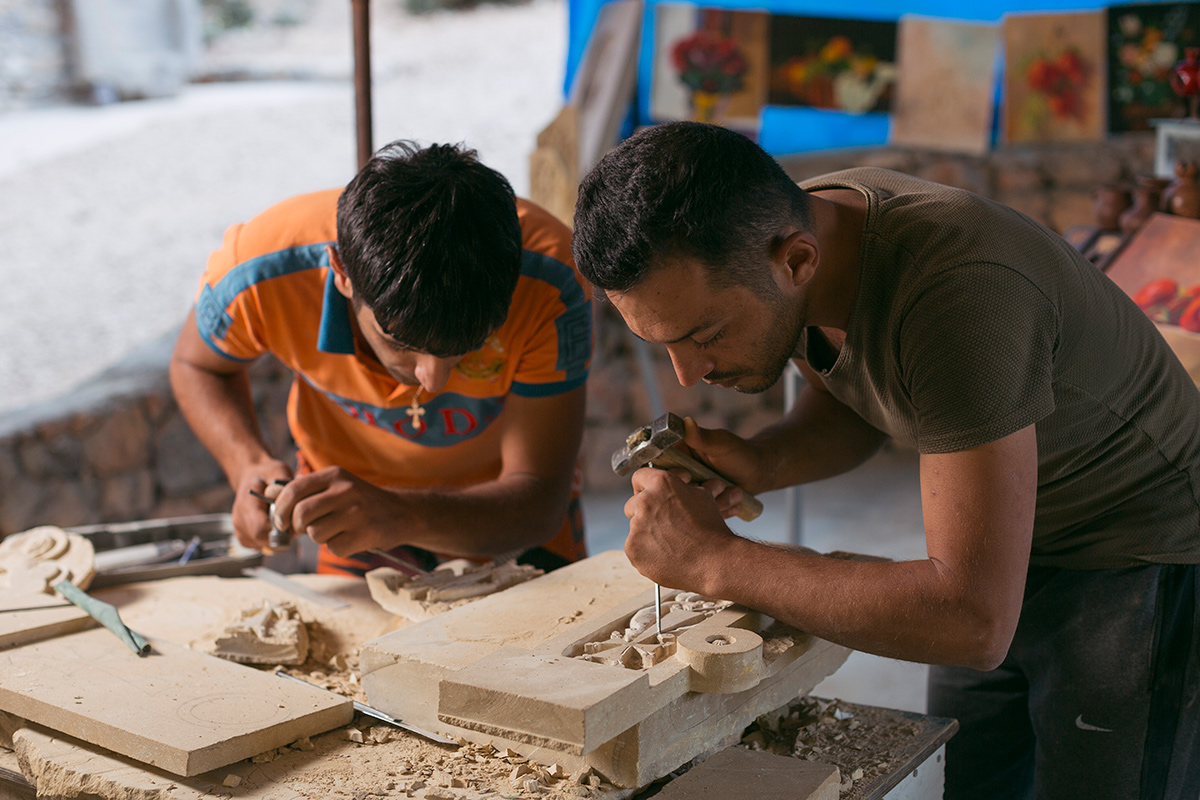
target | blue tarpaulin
[{"x": 790, "y": 129}]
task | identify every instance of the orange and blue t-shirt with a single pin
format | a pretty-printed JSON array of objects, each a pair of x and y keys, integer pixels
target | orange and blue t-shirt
[{"x": 270, "y": 289}]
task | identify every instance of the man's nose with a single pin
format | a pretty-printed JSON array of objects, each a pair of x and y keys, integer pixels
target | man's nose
[
  {"x": 433, "y": 372},
  {"x": 690, "y": 368}
]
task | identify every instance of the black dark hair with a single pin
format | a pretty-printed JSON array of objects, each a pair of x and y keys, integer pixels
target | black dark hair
[
  {"x": 684, "y": 189},
  {"x": 432, "y": 245}
]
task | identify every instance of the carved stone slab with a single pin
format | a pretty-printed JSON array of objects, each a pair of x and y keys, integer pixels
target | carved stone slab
[{"x": 509, "y": 670}]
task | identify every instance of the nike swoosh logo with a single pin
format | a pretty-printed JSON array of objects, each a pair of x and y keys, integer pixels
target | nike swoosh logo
[{"x": 1083, "y": 726}]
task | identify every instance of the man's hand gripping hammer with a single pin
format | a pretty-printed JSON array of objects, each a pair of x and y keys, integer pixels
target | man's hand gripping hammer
[{"x": 656, "y": 443}]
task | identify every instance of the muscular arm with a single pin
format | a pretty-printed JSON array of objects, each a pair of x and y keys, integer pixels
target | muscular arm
[
  {"x": 958, "y": 606},
  {"x": 213, "y": 394},
  {"x": 818, "y": 438},
  {"x": 522, "y": 507}
]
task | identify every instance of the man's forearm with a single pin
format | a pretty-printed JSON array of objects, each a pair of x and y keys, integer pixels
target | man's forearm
[
  {"x": 819, "y": 438},
  {"x": 220, "y": 411},
  {"x": 910, "y": 610},
  {"x": 513, "y": 512}
]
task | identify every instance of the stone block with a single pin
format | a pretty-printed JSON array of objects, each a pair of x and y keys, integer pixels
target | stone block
[
  {"x": 958, "y": 171},
  {"x": 10, "y": 467},
  {"x": 59, "y": 456},
  {"x": 20, "y": 503},
  {"x": 182, "y": 465},
  {"x": 120, "y": 443},
  {"x": 127, "y": 497},
  {"x": 1070, "y": 207},
  {"x": 1083, "y": 167}
]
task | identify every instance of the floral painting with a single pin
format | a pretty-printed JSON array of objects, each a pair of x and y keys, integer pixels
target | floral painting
[
  {"x": 1054, "y": 77},
  {"x": 840, "y": 64},
  {"x": 710, "y": 65},
  {"x": 1145, "y": 41}
]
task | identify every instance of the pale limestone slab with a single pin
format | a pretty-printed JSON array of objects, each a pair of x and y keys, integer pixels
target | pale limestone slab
[
  {"x": 505, "y": 670},
  {"x": 179, "y": 710},
  {"x": 21, "y": 627}
]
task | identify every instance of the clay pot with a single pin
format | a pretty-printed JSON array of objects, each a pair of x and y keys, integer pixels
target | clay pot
[
  {"x": 1146, "y": 198},
  {"x": 1182, "y": 197},
  {"x": 1111, "y": 201}
]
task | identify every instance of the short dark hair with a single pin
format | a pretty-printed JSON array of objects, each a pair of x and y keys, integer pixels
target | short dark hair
[
  {"x": 432, "y": 245},
  {"x": 684, "y": 189}
]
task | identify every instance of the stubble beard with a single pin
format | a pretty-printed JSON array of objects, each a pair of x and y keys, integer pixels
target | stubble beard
[{"x": 779, "y": 344}]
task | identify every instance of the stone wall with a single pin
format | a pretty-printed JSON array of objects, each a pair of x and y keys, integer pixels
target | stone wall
[
  {"x": 33, "y": 56},
  {"x": 118, "y": 449}
]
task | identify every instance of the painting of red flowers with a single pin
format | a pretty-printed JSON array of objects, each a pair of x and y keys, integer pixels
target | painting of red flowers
[
  {"x": 709, "y": 65},
  {"x": 1054, "y": 77}
]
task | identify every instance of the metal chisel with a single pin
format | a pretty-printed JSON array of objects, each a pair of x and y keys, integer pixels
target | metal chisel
[{"x": 363, "y": 708}]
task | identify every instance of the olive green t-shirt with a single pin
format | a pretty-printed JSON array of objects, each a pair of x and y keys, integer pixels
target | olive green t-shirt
[{"x": 972, "y": 321}]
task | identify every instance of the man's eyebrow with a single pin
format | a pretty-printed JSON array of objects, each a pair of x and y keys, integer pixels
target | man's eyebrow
[{"x": 687, "y": 335}]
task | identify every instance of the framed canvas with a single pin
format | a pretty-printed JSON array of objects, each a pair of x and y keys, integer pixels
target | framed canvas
[
  {"x": 1145, "y": 41},
  {"x": 1054, "y": 77},
  {"x": 945, "y": 87},
  {"x": 1158, "y": 268},
  {"x": 839, "y": 64},
  {"x": 710, "y": 65}
]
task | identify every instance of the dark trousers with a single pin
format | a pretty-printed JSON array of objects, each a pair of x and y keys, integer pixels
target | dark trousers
[{"x": 1098, "y": 698}]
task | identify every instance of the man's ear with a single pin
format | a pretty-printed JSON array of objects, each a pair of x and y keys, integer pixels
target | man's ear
[
  {"x": 797, "y": 257},
  {"x": 340, "y": 279}
]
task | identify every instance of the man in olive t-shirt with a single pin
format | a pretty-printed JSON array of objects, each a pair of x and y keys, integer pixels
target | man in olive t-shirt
[{"x": 1059, "y": 443}]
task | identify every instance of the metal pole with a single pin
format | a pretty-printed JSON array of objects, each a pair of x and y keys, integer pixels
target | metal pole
[
  {"x": 794, "y": 501},
  {"x": 362, "y": 79}
]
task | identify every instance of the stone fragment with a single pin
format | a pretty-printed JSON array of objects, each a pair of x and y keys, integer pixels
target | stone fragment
[
  {"x": 272, "y": 633},
  {"x": 354, "y": 735},
  {"x": 232, "y": 780}
]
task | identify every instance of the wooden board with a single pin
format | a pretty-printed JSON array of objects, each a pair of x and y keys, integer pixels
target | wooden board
[
  {"x": 21, "y": 627},
  {"x": 739, "y": 772},
  {"x": 176, "y": 709}
]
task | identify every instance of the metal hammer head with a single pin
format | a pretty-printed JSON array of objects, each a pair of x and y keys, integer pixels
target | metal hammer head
[{"x": 647, "y": 443}]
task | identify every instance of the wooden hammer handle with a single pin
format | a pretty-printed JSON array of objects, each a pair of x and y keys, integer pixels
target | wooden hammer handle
[{"x": 748, "y": 509}]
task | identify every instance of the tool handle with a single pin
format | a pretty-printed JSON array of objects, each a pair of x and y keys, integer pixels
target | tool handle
[{"x": 750, "y": 507}]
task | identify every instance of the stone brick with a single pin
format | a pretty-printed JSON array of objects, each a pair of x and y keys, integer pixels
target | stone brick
[
  {"x": 1082, "y": 167},
  {"x": 10, "y": 467},
  {"x": 57, "y": 457},
  {"x": 1017, "y": 171},
  {"x": 20, "y": 504},
  {"x": 1069, "y": 208},
  {"x": 961, "y": 172},
  {"x": 1031, "y": 204},
  {"x": 51, "y": 502},
  {"x": 182, "y": 465},
  {"x": 158, "y": 404},
  {"x": 127, "y": 497},
  {"x": 216, "y": 500},
  {"x": 120, "y": 443}
]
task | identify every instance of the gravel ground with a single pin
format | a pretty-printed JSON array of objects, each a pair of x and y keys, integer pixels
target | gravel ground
[{"x": 107, "y": 214}]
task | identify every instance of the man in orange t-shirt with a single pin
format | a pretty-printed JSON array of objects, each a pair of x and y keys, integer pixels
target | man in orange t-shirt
[{"x": 440, "y": 338}]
